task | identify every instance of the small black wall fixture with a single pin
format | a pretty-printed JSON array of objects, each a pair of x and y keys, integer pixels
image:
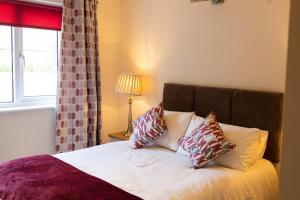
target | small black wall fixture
[{"x": 213, "y": 1}]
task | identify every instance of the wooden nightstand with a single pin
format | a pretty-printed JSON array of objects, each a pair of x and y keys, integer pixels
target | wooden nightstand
[{"x": 118, "y": 136}]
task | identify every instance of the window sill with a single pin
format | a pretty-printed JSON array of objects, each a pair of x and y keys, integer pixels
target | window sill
[{"x": 26, "y": 108}]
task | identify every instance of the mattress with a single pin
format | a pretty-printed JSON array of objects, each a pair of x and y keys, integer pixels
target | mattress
[{"x": 158, "y": 173}]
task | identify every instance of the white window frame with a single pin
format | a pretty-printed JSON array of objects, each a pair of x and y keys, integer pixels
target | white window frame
[{"x": 18, "y": 64}]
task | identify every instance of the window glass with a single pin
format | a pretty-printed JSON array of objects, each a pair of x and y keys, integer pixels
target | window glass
[
  {"x": 40, "y": 52},
  {"x": 6, "y": 72}
]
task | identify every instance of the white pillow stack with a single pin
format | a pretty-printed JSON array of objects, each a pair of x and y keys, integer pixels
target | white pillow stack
[
  {"x": 250, "y": 144},
  {"x": 177, "y": 123}
]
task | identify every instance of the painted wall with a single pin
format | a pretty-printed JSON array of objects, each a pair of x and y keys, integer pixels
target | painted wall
[
  {"x": 109, "y": 31},
  {"x": 290, "y": 176},
  {"x": 240, "y": 44},
  {"x": 26, "y": 132}
]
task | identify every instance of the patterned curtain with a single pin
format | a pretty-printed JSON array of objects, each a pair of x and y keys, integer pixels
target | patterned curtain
[{"x": 78, "y": 118}]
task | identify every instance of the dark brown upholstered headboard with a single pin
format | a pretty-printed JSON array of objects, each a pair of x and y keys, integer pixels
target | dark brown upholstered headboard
[{"x": 253, "y": 109}]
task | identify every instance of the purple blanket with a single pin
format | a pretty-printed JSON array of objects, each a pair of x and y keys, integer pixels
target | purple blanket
[{"x": 45, "y": 177}]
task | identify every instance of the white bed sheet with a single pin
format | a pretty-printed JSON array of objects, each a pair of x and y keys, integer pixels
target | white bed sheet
[{"x": 158, "y": 173}]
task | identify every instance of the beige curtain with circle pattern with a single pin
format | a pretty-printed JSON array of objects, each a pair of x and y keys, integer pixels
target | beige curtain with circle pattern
[{"x": 78, "y": 110}]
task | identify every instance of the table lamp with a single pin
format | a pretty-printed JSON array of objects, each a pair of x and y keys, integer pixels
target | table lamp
[{"x": 131, "y": 85}]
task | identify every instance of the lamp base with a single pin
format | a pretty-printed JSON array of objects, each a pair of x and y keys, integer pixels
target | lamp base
[
  {"x": 129, "y": 125},
  {"x": 127, "y": 133}
]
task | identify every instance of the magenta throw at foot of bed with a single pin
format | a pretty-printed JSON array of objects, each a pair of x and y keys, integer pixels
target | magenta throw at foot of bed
[{"x": 46, "y": 177}]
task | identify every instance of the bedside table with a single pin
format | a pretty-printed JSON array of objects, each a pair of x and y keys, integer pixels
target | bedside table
[{"x": 118, "y": 136}]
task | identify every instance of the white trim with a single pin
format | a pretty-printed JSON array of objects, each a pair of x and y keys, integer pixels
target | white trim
[
  {"x": 57, "y": 3},
  {"x": 30, "y": 102},
  {"x": 18, "y": 65},
  {"x": 25, "y": 108}
]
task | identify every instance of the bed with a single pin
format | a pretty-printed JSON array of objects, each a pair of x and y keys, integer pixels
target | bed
[{"x": 159, "y": 173}]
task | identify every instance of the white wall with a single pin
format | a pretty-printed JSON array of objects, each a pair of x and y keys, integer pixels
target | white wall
[
  {"x": 290, "y": 165},
  {"x": 109, "y": 32},
  {"x": 26, "y": 132},
  {"x": 239, "y": 44}
]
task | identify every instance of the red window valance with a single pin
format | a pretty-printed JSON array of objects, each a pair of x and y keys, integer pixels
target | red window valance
[{"x": 24, "y": 14}]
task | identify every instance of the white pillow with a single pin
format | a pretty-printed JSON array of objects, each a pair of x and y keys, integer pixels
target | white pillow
[
  {"x": 250, "y": 144},
  {"x": 194, "y": 123},
  {"x": 177, "y": 123},
  {"x": 248, "y": 148},
  {"x": 262, "y": 144}
]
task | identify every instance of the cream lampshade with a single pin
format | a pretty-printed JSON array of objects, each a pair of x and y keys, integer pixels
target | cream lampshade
[{"x": 131, "y": 85}]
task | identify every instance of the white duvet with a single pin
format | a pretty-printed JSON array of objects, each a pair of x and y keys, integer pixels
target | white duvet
[{"x": 157, "y": 173}]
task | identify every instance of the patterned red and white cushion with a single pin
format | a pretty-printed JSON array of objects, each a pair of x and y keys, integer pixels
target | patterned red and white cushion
[
  {"x": 148, "y": 127},
  {"x": 206, "y": 142}
]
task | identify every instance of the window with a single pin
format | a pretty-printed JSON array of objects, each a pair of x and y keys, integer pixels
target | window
[
  {"x": 28, "y": 65},
  {"x": 29, "y": 43},
  {"x": 40, "y": 50}
]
